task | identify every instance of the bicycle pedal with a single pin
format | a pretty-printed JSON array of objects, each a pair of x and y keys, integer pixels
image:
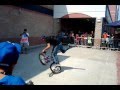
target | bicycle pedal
[{"x": 46, "y": 61}]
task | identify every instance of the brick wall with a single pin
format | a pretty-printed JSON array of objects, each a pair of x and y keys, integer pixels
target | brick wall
[{"x": 13, "y": 20}]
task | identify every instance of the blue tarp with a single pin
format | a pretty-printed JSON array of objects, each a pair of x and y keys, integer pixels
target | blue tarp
[{"x": 115, "y": 24}]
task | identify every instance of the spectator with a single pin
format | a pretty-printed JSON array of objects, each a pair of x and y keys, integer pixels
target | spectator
[
  {"x": 85, "y": 38},
  {"x": 24, "y": 41},
  {"x": 92, "y": 33},
  {"x": 72, "y": 38},
  {"x": 107, "y": 40},
  {"x": 111, "y": 41},
  {"x": 89, "y": 40},
  {"x": 77, "y": 39},
  {"x": 105, "y": 36},
  {"x": 82, "y": 39},
  {"x": 116, "y": 40},
  {"x": 9, "y": 54}
]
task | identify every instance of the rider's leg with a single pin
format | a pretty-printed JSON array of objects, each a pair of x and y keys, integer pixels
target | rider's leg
[
  {"x": 54, "y": 54},
  {"x": 26, "y": 47},
  {"x": 62, "y": 49},
  {"x": 55, "y": 51}
]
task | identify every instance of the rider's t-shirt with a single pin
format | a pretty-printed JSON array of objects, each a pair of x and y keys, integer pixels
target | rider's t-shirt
[
  {"x": 53, "y": 42},
  {"x": 12, "y": 80}
]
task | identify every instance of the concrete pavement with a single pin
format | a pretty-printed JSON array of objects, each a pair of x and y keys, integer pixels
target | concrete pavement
[{"x": 80, "y": 66}]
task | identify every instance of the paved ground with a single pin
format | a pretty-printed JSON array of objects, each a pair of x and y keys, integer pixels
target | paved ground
[{"x": 80, "y": 66}]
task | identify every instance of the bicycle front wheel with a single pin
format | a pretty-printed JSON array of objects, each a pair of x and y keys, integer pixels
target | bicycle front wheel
[{"x": 42, "y": 59}]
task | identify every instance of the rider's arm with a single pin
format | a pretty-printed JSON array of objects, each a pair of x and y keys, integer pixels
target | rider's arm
[{"x": 46, "y": 48}]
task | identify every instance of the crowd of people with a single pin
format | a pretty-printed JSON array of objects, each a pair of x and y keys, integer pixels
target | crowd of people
[
  {"x": 110, "y": 40},
  {"x": 79, "y": 38},
  {"x": 87, "y": 39}
]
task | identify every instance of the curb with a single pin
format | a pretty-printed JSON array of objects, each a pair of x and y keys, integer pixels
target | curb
[{"x": 36, "y": 46}]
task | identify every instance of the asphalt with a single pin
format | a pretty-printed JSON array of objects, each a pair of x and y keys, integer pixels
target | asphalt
[{"x": 80, "y": 66}]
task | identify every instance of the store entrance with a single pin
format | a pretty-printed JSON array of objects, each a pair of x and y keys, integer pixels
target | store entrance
[
  {"x": 76, "y": 25},
  {"x": 80, "y": 26}
]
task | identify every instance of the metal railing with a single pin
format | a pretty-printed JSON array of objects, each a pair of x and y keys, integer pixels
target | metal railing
[{"x": 103, "y": 44}]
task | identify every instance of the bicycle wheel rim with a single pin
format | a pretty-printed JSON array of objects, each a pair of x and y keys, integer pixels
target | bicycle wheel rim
[{"x": 42, "y": 60}]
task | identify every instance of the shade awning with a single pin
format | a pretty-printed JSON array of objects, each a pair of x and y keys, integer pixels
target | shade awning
[{"x": 115, "y": 24}]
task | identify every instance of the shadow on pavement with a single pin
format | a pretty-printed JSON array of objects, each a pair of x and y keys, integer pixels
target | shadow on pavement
[
  {"x": 69, "y": 68},
  {"x": 66, "y": 68}
]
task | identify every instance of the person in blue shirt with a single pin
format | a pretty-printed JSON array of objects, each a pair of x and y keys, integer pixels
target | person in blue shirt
[{"x": 9, "y": 54}]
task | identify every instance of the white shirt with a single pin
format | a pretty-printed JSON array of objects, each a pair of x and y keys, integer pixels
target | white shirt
[{"x": 24, "y": 38}]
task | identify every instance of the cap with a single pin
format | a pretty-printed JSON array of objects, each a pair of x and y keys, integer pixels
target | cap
[{"x": 9, "y": 53}]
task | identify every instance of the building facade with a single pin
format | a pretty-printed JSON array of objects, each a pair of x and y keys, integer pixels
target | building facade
[{"x": 102, "y": 14}]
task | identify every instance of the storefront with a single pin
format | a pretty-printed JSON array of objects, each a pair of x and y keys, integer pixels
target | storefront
[{"x": 83, "y": 18}]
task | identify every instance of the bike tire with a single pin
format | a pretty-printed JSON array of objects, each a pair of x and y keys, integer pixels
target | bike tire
[
  {"x": 41, "y": 59},
  {"x": 55, "y": 70}
]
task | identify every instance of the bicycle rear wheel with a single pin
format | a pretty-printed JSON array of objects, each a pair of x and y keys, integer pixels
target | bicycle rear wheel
[
  {"x": 42, "y": 59},
  {"x": 55, "y": 68}
]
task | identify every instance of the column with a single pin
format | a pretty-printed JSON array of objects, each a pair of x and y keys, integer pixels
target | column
[
  {"x": 98, "y": 31},
  {"x": 56, "y": 26}
]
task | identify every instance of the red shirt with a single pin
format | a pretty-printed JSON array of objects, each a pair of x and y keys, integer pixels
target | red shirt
[{"x": 105, "y": 35}]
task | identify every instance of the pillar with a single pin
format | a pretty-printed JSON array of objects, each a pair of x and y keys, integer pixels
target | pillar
[
  {"x": 56, "y": 26},
  {"x": 98, "y": 31}
]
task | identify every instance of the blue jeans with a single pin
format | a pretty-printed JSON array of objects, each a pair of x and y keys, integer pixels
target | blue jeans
[{"x": 55, "y": 51}]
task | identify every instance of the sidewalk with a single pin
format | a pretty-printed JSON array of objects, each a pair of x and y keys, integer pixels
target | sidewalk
[{"x": 80, "y": 66}]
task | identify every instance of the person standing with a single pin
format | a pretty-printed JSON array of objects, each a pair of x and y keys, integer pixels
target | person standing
[
  {"x": 111, "y": 42},
  {"x": 92, "y": 33},
  {"x": 89, "y": 40},
  {"x": 85, "y": 38},
  {"x": 105, "y": 36},
  {"x": 77, "y": 39},
  {"x": 24, "y": 41}
]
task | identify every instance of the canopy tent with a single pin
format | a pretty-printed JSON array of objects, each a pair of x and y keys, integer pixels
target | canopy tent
[{"x": 115, "y": 24}]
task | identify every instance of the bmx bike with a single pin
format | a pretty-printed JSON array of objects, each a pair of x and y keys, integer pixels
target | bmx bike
[{"x": 44, "y": 59}]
